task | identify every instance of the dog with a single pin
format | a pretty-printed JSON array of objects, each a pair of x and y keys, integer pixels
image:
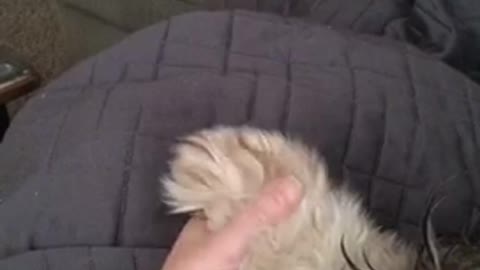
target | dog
[{"x": 215, "y": 172}]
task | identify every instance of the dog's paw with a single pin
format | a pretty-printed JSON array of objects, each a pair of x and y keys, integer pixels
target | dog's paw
[{"x": 214, "y": 172}]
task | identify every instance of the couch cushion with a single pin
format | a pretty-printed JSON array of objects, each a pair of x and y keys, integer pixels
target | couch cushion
[{"x": 80, "y": 163}]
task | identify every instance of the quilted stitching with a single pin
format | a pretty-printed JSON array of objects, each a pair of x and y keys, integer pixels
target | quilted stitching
[{"x": 83, "y": 157}]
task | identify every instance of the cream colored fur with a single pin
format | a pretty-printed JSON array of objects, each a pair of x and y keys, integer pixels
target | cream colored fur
[{"x": 215, "y": 172}]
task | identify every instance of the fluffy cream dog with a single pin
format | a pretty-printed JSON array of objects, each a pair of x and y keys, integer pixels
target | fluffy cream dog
[{"x": 215, "y": 172}]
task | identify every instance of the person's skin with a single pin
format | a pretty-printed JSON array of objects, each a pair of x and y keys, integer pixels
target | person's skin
[{"x": 199, "y": 249}]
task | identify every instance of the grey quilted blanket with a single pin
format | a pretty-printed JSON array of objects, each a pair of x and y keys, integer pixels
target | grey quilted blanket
[{"x": 79, "y": 165}]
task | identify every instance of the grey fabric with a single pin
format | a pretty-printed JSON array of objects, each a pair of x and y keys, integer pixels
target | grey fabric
[{"x": 82, "y": 159}]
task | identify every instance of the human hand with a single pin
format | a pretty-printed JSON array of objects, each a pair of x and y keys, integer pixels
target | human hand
[{"x": 197, "y": 248}]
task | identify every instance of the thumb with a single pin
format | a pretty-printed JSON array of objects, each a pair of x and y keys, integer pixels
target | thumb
[{"x": 277, "y": 200}]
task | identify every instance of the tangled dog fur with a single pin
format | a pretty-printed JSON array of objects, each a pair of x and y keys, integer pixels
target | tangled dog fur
[{"x": 216, "y": 171}]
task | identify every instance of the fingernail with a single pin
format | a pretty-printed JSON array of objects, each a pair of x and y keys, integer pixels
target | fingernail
[{"x": 290, "y": 188}]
